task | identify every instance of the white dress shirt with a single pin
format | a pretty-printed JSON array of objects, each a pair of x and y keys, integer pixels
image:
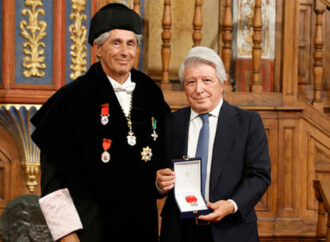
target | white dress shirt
[
  {"x": 195, "y": 126},
  {"x": 124, "y": 98}
]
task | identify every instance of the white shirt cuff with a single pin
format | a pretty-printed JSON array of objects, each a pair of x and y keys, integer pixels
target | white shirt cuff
[
  {"x": 60, "y": 213},
  {"x": 235, "y": 205}
]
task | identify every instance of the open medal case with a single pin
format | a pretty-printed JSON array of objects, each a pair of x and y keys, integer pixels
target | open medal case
[{"x": 187, "y": 189}]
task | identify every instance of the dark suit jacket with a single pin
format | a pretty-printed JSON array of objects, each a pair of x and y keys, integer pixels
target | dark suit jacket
[{"x": 240, "y": 171}]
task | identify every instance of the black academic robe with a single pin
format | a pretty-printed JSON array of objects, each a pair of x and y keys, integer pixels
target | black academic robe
[
  {"x": 240, "y": 170},
  {"x": 115, "y": 199}
]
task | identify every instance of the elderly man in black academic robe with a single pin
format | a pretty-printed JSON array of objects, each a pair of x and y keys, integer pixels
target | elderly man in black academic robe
[{"x": 100, "y": 139}]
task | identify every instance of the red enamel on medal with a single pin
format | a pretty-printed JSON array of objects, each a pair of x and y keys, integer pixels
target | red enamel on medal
[
  {"x": 106, "y": 144},
  {"x": 105, "y": 156},
  {"x": 105, "y": 109},
  {"x": 191, "y": 199}
]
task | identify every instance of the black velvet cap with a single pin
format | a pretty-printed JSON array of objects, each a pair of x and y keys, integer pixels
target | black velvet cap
[{"x": 113, "y": 16}]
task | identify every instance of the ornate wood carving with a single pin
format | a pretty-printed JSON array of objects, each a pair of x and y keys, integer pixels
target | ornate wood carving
[
  {"x": 137, "y": 9},
  {"x": 78, "y": 36},
  {"x": 318, "y": 55},
  {"x": 197, "y": 23},
  {"x": 17, "y": 122},
  {"x": 257, "y": 51},
  {"x": 34, "y": 32},
  {"x": 227, "y": 38},
  {"x": 166, "y": 46}
]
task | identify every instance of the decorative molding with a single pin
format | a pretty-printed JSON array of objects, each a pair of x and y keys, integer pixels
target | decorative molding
[
  {"x": 31, "y": 175},
  {"x": 78, "y": 34},
  {"x": 34, "y": 32},
  {"x": 16, "y": 120}
]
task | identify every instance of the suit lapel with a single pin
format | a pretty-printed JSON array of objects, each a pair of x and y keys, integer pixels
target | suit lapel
[
  {"x": 227, "y": 128},
  {"x": 180, "y": 128}
]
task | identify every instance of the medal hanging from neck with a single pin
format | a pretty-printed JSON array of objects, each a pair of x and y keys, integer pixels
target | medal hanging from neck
[
  {"x": 105, "y": 114},
  {"x": 154, "y": 135},
  {"x": 131, "y": 138},
  {"x": 105, "y": 157}
]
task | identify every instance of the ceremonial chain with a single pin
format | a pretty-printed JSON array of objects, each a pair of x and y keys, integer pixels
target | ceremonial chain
[{"x": 131, "y": 139}]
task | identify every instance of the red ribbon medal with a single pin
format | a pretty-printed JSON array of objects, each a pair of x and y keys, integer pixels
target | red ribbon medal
[
  {"x": 192, "y": 200},
  {"x": 105, "y": 157},
  {"x": 105, "y": 114}
]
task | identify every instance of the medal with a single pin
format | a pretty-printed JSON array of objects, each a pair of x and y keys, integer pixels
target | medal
[
  {"x": 146, "y": 154},
  {"x": 154, "y": 135},
  {"x": 105, "y": 157},
  {"x": 131, "y": 139},
  {"x": 192, "y": 200},
  {"x": 105, "y": 114}
]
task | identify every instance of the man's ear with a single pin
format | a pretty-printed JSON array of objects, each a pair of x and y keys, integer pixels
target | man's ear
[{"x": 97, "y": 49}]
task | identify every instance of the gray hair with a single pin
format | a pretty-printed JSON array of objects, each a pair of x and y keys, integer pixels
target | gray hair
[
  {"x": 203, "y": 55},
  {"x": 103, "y": 37}
]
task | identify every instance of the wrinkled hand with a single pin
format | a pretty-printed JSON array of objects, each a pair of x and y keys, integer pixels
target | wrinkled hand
[
  {"x": 220, "y": 209},
  {"x": 165, "y": 179}
]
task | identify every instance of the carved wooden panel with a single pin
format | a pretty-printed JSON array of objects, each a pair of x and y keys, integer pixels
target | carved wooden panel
[
  {"x": 267, "y": 206},
  {"x": 4, "y": 181},
  {"x": 306, "y": 23},
  {"x": 287, "y": 193},
  {"x": 12, "y": 176},
  {"x": 307, "y": 20}
]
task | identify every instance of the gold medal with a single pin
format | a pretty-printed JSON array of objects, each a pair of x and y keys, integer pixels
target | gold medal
[{"x": 146, "y": 154}]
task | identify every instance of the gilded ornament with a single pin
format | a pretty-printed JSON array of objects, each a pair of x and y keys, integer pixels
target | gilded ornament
[
  {"x": 78, "y": 34},
  {"x": 31, "y": 175},
  {"x": 15, "y": 119},
  {"x": 146, "y": 154},
  {"x": 34, "y": 32}
]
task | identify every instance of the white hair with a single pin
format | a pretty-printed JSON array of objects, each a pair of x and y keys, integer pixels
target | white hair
[
  {"x": 103, "y": 37},
  {"x": 200, "y": 54}
]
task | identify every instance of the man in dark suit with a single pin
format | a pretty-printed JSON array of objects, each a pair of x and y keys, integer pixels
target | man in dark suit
[
  {"x": 100, "y": 138},
  {"x": 235, "y": 161}
]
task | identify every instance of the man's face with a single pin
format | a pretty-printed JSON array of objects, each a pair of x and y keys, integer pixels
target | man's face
[
  {"x": 117, "y": 53},
  {"x": 202, "y": 87}
]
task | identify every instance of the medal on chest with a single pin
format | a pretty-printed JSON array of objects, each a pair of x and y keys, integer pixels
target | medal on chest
[
  {"x": 146, "y": 154},
  {"x": 105, "y": 114},
  {"x": 131, "y": 139},
  {"x": 154, "y": 135},
  {"x": 105, "y": 157}
]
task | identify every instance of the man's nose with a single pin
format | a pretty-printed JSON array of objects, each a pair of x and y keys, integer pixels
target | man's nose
[
  {"x": 124, "y": 49},
  {"x": 199, "y": 86}
]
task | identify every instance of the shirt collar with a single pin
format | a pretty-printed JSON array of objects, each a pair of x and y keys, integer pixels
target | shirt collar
[
  {"x": 214, "y": 112},
  {"x": 115, "y": 84}
]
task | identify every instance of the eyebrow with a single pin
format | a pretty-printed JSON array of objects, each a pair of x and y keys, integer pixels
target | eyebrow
[{"x": 124, "y": 40}]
